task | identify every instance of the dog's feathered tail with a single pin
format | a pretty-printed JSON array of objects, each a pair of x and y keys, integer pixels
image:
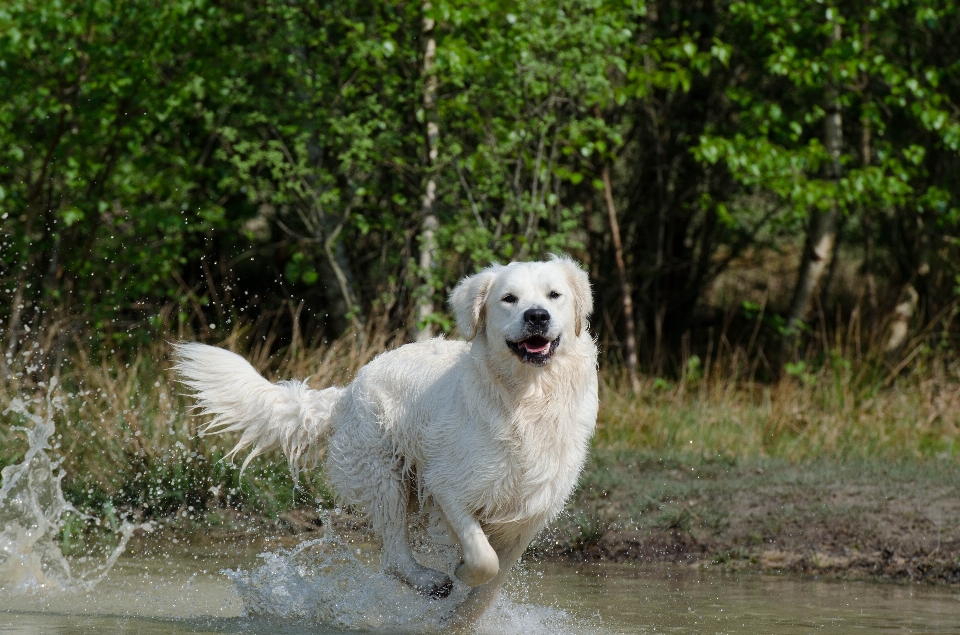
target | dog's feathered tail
[{"x": 287, "y": 414}]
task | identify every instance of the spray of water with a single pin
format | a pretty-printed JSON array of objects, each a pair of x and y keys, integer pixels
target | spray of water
[
  {"x": 328, "y": 581},
  {"x": 32, "y": 511}
]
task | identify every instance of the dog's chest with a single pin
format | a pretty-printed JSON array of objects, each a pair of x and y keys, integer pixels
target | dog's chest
[{"x": 535, "y": 464}]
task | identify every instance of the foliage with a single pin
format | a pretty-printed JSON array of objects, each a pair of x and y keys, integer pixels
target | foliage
[
  {"x": 198, "y": 164},
  {"x": 104, "y": 184},
  {"x": 896, "y": 105}
]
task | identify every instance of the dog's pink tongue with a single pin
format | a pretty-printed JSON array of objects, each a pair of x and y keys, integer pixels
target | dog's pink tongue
[{"x": 534, "y": 348}]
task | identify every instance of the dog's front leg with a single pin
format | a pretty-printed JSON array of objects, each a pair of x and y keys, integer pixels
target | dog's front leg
[
  {"x": 509, "y": 548},
  {"x": 480, "y": 562}
]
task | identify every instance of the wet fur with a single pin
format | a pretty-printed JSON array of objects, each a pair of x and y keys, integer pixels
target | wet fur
[{"x": 495, "y": 443}]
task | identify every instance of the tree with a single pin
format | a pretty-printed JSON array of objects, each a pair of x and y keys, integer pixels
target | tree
[
  {"x": 816, "y": 63},
  {"x": 429, "y": 224},
  {"x": 158, "y": 158}
]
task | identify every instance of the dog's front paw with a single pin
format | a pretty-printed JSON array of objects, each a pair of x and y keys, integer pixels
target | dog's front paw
[
  {"x": 479, "y": 565},
  {"x": 436, "y": 591}
]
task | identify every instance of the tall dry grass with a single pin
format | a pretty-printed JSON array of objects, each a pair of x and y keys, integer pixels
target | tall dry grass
[
  {"x": 843, "y": 395},
  {"x": 126, "y": 436},
  {"x": 127, "y": 440},
  {"x": 813, "y": 415}
]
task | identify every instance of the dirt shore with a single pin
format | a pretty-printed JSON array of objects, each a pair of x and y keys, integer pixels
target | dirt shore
[
  {"x": 861, "y": 519},
  {"x": 867, "y": 519}
]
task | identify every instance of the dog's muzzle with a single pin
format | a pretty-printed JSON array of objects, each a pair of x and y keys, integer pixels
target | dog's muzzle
[{"x": 536, "y": 348}]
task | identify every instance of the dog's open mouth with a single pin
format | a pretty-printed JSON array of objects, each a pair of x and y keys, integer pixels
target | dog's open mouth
[{"x": 536, "y": 349}]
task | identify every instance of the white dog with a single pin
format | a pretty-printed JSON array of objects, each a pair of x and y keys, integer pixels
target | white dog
[{"x": 493, "y": 430}]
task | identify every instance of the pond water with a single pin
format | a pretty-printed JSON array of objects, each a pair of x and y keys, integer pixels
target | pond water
[{"x": 190, "y": 593}]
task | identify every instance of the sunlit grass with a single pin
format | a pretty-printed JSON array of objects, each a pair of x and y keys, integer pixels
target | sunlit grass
[
  {"x": 834, "y": 412},
  {"x": 127, "y": 439}
]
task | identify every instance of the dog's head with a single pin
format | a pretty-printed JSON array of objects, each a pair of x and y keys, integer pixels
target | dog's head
[{"x": 525, "y": 309}]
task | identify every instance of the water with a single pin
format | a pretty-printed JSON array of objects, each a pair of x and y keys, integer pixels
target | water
[
  {"x": 672, "y": 599},
  {"x": 32, "y": 511},
  {"x": 332, "y": 585},
  {"x": 178, "y": 594}
]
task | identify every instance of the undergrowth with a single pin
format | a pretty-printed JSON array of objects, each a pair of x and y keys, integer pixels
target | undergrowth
[
  {"x": 128, "y": 441},
  {"x": 838, "y": 410}
]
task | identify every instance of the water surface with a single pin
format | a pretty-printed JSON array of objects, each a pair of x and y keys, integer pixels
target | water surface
[{"x": 187, "y": 593}]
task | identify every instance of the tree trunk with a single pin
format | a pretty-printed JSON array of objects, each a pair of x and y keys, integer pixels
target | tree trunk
[
  {"x": 900, "y": 324},
  {"x": 429, "y": 223},
  {"x": 630, "y": 342},
  {"x": 832, "y": 267},
  {"x": 870, "y": 278},
  {"x": 336, "y": 259},
  {"x": 866, "y": 214},
  {"x": 341, "y": 296},
  {"x": 822, "y": 231}
]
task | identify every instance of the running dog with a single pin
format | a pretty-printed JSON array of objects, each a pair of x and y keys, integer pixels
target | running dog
[{"x": 493, "y": 429}]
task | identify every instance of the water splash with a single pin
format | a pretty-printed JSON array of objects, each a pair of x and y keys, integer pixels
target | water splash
[
  {"x": 32, "y": 509},
  {"x": 328, "y": 581}
]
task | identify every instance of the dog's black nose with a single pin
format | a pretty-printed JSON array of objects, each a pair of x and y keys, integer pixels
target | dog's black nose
[{"x": 539, "y": 318}]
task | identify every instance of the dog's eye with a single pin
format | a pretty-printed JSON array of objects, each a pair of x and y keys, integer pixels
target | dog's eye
[
  {"x": 554, "y": 295},
  {"x": 509, "y": 298}
]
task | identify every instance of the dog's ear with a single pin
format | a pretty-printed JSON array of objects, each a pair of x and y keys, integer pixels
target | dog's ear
[
  {"x": 468, "y": 300},
  {"x": 580, "y": 285}
]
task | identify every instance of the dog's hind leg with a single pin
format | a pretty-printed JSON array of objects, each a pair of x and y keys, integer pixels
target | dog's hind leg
[
  {"x": 388, "y": 511},
  {"x": 366, "y": 470}
]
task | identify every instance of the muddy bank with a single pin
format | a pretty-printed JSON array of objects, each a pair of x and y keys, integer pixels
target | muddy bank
[{"x": 860, "y": 519}]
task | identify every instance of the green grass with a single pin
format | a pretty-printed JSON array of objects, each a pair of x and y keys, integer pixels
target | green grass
[
  {"x": 128, "y": 442},
  {"x": 834, "y": 412}
]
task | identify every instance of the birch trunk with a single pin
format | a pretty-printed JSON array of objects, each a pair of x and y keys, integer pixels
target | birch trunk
[
  {"x": 822, "y": 230},
  {"x": 867, "y": 220},
  {"x": 428, "y": 222},
  {"x": 866, "y": 155},
  {"x": 629, "y": 325}
]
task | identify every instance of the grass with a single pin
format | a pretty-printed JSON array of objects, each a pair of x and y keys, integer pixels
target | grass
[
  {"x": 126, "y": 438},
  {"x": 127, "y": 441},
  {"x": 836, "y": 411}
]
